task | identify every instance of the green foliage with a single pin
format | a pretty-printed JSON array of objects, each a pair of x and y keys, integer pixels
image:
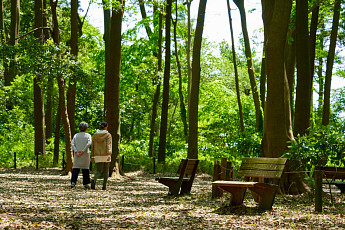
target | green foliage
[{"x": 322, "y": 146}]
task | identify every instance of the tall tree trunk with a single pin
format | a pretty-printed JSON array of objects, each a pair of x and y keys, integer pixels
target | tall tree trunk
[
  {"x": 196, "y": 71},
  {"x": 320, "y": 78},
  {"x": 113, "y": 96},
  {"x": 304, "y": 78},
  {"x": 62, "y": 99},
  {"x": 313, "y": 34},
  {"x": 165, "y": 103},
  {"x": 11, "y": 68},
  {"x": 158, "y": 87},
  {"x": 189, "y": 41},
  {"x": 66, "y": 126},
  {"x": 57, "y": 136},
  {"x": 290, "y": 65},
  {"x": 3, "y": 37},
  {"x": 330, "y": 60},
  {"x": 72, "y": 86},
  {"x": 277, "y": 119},
  {"x": 250, "y": 65},
  {"x": 106, "y": 38},
  {"x": 235, "y": 69},
  {"x": 38, "y": 92},
  {"x": 49, "y": 108},
  {"x": 182, "y": 105}
]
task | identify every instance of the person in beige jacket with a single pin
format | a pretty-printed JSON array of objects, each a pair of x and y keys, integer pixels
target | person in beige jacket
[{"x": 101, "y": 149}]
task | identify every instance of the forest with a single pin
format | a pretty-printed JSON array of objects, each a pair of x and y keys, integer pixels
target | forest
[{"x": 166, "y": 92}]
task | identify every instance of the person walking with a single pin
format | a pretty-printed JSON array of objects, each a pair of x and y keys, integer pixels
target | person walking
[
  {"x": 81, "y": 160},
  {"x": 101, "y": 150}
]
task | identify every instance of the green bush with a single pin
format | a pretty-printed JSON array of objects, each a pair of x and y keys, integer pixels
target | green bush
[{"x": 322, "y": 146}]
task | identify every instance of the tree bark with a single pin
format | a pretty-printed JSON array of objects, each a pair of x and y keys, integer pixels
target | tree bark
[
  {"x": 189, "y": 41},
  {"x": 72, "y": 86},
  {"x": 57, "y": 136},
  {"x": 196, "y": 71},
  {"x": 235, "y": 70},
  {"x": 290, "y": 65},
  {"x": 250, "y": 65},
  {"x": 304, "y": 77},
  {"x": 106, "y": 38},
  {"x": 158, "y": 86},
  {"x": 165, "y": 103},
  {"x": 11, "y": 68},
  {"x": 38, "y": 92},
  {"x": 62, "y": 99},
  {"x": 49, "y": 108},
  {"x": 330, "y": 60},
  {"x": 277, "y": 120},
  {"x": 113, "y": 94},
  {"x": 3, "y": 37},
  {"x": 183, "y": 111}
]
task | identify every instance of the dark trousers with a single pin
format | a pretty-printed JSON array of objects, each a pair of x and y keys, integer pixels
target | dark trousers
[{"x": 86, "y": 175}]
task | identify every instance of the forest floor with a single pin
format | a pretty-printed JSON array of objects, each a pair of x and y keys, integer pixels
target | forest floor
[{"x": 31, "y": 199}]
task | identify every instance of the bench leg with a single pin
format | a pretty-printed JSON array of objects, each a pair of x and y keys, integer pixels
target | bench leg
[
  {"x": 186, "y": 187},
  {"x": 237, "y": 194},
  {"x": 174, "y": 189},
  {"x": 266, "y": 197}
]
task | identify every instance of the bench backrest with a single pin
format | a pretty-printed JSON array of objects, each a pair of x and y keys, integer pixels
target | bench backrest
[
  {"x": 332, "y": 172},
  {"x": 262, "y": 167},
  {"x": 188, "y": 166}
]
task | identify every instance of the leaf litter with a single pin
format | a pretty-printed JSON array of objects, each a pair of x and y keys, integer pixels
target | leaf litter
[{"x": 31, "y": 199}]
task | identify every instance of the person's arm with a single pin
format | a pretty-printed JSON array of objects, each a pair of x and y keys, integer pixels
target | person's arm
[
  {"x": 74, "y": 147},
  {"x": 109, "y": 145},
  {"x": 88, "y": 144}
]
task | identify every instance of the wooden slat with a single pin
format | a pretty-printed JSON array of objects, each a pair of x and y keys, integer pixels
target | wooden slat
[
  {"x": 264, "y": 167},
  {"x": 258, "y": 173},
  {"x": 190, "y": 166},
  {"x": 264, "y": 160},
  {"x": 234, "y": 183}
]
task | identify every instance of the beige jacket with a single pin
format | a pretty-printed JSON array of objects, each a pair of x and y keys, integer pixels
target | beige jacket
[{"x": 101, "y": 143}]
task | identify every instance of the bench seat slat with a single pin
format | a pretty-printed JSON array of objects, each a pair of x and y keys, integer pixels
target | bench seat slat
[
  {"x": 262, "y": 174},
  {"x": 269, "y": 167},
  {"x": 244, "y": 184},
  {"x": 264, "y": 160}
]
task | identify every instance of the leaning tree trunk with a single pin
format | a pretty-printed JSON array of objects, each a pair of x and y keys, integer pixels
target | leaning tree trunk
[
  {"x": 330, "y": 60},
  {"x": 235, "y": 70},
  {"x": 113, "y": 93},
  {"x": 62, "y": 99},
  {"x": 304, "y": 78},
  {"x": 158, "y": 86},
  {"x": 165, "y": 102},
  {"x": 38, "y": 92},
  {"x": 196, "y": 72},
  {"x": 182, "y": 105},
  {"x": 250, "y": 65}
]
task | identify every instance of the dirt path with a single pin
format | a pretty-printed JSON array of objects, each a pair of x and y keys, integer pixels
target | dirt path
[{"x": 43, "y": 200}]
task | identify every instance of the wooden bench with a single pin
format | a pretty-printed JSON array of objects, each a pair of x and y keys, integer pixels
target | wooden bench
[
  {"x": 333, "y": 175},
  {"x": 182, "y": 183},
  {"x": 256, "y": 172}
]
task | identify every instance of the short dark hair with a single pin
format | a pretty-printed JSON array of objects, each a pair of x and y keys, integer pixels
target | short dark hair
[
  {"x": 103, "y": 124},
  {"x": 83, "y": 126}
]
